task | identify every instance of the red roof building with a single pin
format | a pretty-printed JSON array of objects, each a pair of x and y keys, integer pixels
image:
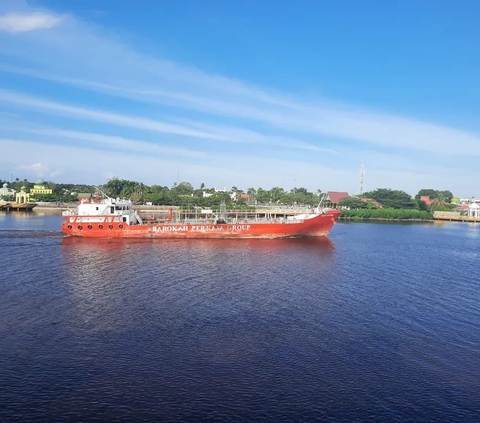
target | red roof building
[
  {"x": 334, "y": 197},
  {"x": 377, "y": 204},
  {"x": 426, "y": 199}
]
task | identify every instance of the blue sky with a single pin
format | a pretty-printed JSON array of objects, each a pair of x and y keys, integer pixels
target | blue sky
[{"x": 251, "y": 93}]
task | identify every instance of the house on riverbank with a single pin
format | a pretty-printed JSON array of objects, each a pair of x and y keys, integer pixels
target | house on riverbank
[
  {"x": 334, "y": 197},
  {"x": 6, "y": 192}
]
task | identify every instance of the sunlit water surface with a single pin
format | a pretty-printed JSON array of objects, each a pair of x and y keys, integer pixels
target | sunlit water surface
[{"x": 377, "y": 323}]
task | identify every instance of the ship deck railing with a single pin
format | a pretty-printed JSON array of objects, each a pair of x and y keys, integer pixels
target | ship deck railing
[
  {"x": 184, "y": 220},
  {"x": 236, "y": 217}
]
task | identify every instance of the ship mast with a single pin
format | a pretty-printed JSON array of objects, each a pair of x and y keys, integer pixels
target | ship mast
[{"x": 98, "y": 189}]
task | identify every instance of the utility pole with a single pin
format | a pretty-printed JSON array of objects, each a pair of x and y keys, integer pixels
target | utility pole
[{"x": 362, "y": 176}]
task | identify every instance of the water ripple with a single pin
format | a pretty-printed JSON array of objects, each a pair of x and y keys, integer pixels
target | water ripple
[{"x": 378, "y": 323}]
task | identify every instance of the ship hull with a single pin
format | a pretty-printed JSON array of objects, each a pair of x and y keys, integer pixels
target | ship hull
[{"x": 313, "y": 227}]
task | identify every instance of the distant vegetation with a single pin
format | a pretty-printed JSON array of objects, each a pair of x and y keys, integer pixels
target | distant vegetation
[
  {"x": 395, "y": 204},
  {"x": 382, "y": 203},
  {"x": 443, "y": 196},
  {"x": 388, "y": 214},
  {"x": 183, "y": 194}
]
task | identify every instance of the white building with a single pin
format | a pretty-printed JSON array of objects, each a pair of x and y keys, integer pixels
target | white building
[
  {"x": 473, "y": 210},
  {"x": 469, "y": 200},
  {"x": 6, "y": 192},
  {"x": 209, "y": 194}
]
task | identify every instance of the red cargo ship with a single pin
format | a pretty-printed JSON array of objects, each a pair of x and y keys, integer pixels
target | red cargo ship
[{"x": 114, "y": 218}]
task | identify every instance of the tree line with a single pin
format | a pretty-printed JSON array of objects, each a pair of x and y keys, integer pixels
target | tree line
[
  {"x": 397, "y": 199},
  {"x": 181, "y": 194},
  {"x": 184, "y": 194}
]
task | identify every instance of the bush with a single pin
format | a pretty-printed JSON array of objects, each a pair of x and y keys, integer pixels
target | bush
[{"x": 389, "y": 214}]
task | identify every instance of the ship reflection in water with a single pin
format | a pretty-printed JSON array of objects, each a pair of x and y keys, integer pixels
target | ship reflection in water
[{"x": 186, "y": 279}]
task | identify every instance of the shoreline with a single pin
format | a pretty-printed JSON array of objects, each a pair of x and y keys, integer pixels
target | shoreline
[{"x": 382, "y": 219}]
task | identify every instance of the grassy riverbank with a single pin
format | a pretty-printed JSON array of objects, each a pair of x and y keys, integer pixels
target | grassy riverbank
[{"x": 386, "y": 214}]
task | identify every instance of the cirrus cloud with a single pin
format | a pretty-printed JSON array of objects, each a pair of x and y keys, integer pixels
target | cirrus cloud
[{"x": 25, "y": 22}]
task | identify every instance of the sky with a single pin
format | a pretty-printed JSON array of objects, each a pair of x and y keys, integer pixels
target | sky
[{"x": 248, "y": 94}]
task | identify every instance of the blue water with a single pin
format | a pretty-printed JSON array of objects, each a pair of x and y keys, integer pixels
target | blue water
[{"x": 380, "y": 322}]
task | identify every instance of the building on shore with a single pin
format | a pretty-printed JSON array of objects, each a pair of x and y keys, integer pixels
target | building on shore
[
  {"x": 6, "y": 192},
  {"x": 334, "y": 197},
  {"x": 473, "y": 210},
  {"x": 375, "y": 202},
  {"x": 215, "y": 190},
  {"x": 40, "y": 188},
  {"x": 22, "y": 196},
  {"x": 469, "y": 200},
  {"x": 426, "y": 199}
]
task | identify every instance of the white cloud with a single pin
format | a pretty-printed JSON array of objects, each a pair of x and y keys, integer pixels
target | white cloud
[
  {"x": 41, "y": 170},
  {"x": 283, "y": 114},
  {"x": 219, "y": 170},
  {"x": 101, "y": 140},
  {"x": 87, "y": 165},
  {"x": 190, "y": 128},
  {"x": 26, "y": 22},
  {"x": 97, "y": 115}
]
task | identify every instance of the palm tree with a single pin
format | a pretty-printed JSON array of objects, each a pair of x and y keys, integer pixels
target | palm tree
[
  {"x": 276, "y": 193},
  {"x": 252, "y": 195}
]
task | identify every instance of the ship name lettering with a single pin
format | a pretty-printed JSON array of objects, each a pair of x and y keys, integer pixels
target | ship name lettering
[
  {"x": 169, "y": 228},
  {"x": 200, "y": 228},
  {"x": 240, "y": 227}
]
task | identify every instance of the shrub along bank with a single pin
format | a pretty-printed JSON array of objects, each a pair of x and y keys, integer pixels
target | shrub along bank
[{"x": 386, "y": 214}]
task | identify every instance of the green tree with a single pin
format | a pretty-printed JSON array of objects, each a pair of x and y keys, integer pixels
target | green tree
[
  {"x": 391, "y": 198},
  {"x": 422, "y": 205},
  {"x": 252, "y": 195},
  {"x": 427, "y": 192},
  {"x": 445, "y": 196},
  {"x": 183, "y": 188},
  {"x": 353, "y": 203}
]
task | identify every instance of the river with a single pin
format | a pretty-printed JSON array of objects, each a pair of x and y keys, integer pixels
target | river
[{"x": 378, "y": 322}]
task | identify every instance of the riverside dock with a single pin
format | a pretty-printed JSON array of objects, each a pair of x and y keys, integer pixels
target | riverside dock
[
  {"x": 454, "y": 217},
  {"x": 4, "y": 206}
]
